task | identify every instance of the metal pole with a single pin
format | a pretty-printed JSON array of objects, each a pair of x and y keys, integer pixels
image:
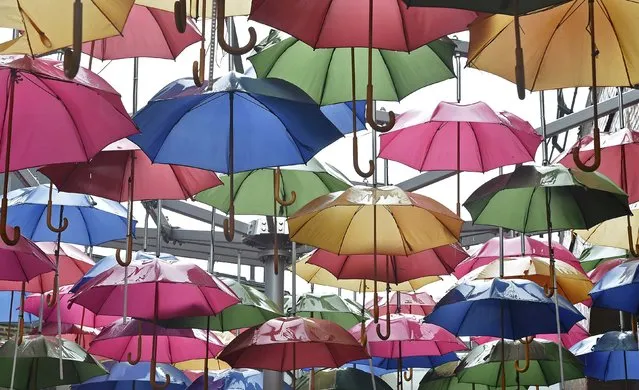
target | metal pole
[
  {"x": 374, "y": 147},
  {"x": 136, "y": 66},
  {"x": 501, "y": 241},
  {"x": 145, "y": 241},
  {"x": 239, "y": 266},
  {"x": 158, "y": 247},
  {"x": 294, "y": 281},
  {"x": 211, "y": 265},
  {"x": 622, "y": 120}
]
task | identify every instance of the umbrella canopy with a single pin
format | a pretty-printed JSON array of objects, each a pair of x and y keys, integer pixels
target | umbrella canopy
[
  {"x": 341, "y": 115},
  {"x": 183, "y": 289},
  {"x": 254, "y": 308},
  {"x": 334, "y": 308},
  {"x": 92, "y": 220},
  {"x": 618, "y": 289},
  {"x": 341, "y": 379},
  {"x": 489, "y": 251},
  {"x": 196, "y": 127},
  {"x": 108, "y": 174},
  {"x": 240, "y": 379},
  {"x": 121, "y": 339},
  {"x": 431, "y": 262},
  {"x": 197, "y": 366},
  {"x": 420, "y": 303},
  {"x": 316, "y": 275},
  {"x": 308, "y": 181},
  {"x": 576, "y": 334},
  {"x": 23, "y": 262},
  {"x": 48, "y": 27},
  {"x": 602, "y": 269},
  {"x": 325, "y": 74},
  {"x": 591, "y": 257},
  {"x": 613, "y": 232},
  {"x": 610, "y": 356},
  {"x": 148, "y": 32},
  {"x": 474, "y": 309},
  {"x": 443, "y": 378},
  {"x": 293, "y": 343},
  {"x": 488, "y": 6},
  {"x": 577, "y": 199},
  {"x": 342, "y": 222},
  {"x": 571, "y": 283},
  {"x": 391, "y": 364},
  {"x": 37, "y": 363},
  {"x": 484, "y": 364},
  {"x": 194, "y": 7},
  {"x": 126, "y": 376},
  {"x": 409, "y": 336}
]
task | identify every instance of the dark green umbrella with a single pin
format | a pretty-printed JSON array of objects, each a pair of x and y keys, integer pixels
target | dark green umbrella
[
  {"x": 578, "y": 200},
  {"x": 341, "y": 311},
  {"x": 341, "y": 379},
  {"x": 483, "y": 364},
  {"x": 443, "y": 378},
  {"x": 591, "y": 257},
  {"x": 38, "y": 364},
  {"x": 254, "y": 309}
]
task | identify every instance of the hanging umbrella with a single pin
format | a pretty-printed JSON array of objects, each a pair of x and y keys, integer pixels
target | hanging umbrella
[
  {"x": 197, "y": 366},
  {"x": 618, "y": 288},
  {"x": 341, "y": 379},
  {"x": 9, "y": 305},
  {"x": 37, "y": 363},
  {"x": 460, "y": 137},
  {"x": 23, "y": 262},
  {"x": 49, "y": 27},
  {"x": 131, "y": 341},
  {"x": 341, "y": 115},
  {"x": 484, "y": 364},
  {"x": 254, "y": 308},
  {"x": 616, "y": 233},
  {"x": 126, "y": 376},
  {"x": 576, "y": 334},
  {"x": 443, "y": 378},
  {"x": 240, "y": 379},
  {"x": 408, "y": 303},
  {"x": 334, "y": 308},
  {"x": 391, "y": 364},
  {"x": 431, "y": 262},
  {"x": 610, "y": 356},
  {"x": 489, "y": 252},
  {"x": 591, "y": 257},
  {"x": 474, "y": 309},
  {"x": 602, "y": 269},
  {"x": 81, "y": 335},
  {"x": 194, "y": 7}
]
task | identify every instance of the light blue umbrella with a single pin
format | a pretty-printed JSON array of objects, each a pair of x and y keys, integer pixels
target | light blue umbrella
[
  {"x": 92, "y": 220},
  {"x": 341, "y": 115},
  {"x": 10, "y": 311},
  {"x": 618, "y": 289},
  {"x": 611, "y": 356},
  {"x": 236, "y": 379},
  {"x": 124, "y": 376}
]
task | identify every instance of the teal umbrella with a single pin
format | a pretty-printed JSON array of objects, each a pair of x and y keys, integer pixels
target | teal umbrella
[{"x": 341, "y": 311}]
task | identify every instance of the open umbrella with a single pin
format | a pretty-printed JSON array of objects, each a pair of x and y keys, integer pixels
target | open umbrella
[
  {"x": 602, "y": 269},
  {"x": 391, "y": 364},
  {"x": 615, "y": 233},
  {"x": 443, "y": 378},
  {"x": 124, "y": 376},
  {"x": 419, "y": 303},
  {"x": 240, "y": 379},
  {"x": 618, "y": 288},
  {"x": 576, "y": 334},
  {"x": 341, "y": 379},
  {"x": 334, "y": 308},
  {"x": 591, "y": 257},
  {"x": 610, "y": 356}
]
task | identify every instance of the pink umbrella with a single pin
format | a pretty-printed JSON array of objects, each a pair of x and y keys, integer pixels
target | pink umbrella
[
  {"x": 69, "y": 315},
  {"x": 489, "y": 252},
  {"x": 148, "y": 32},
  {"x": 23, "y": 262},
  {"x": 602, "y": 269},
  {"x": 125, "y": 341},
  {"x": 410, "y": 303},
  {"x": 431, "y": 262},
  {"x": 456, "y": 137},
  {"x": 82, "y": 335},
  {"x": 574, "y": 335}
]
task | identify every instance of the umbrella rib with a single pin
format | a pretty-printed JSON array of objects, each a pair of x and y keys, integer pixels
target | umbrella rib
[
  {"x": 612, "y": 25},
  {"x": 527, "y": 211},
  {"x": 324, "y": 88},
  {"x": 389, "y": 72},
  {"x": 470, "y": 60},
  {"x": 166, "y": 41},
  {"x": 399, "y": 230},
  {"x": 429, "y": 145},
  {"x": 481, "y": 159},
  {"x": 25, "y": 25},
  {"x": 322, "y": 24},
  {"x": 110, "y": 21},
  {"x": 339, "y": 251},
  {"x": 403, "y": 23}
]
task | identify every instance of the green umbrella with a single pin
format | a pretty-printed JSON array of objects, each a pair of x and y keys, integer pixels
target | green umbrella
[
  {"x": 483, "y": 364},
  {"x": 325, "y": 74},
  {"x": 254, "y": 309},
  {"x": 591, "y": 257},
  {"x": 308, "y": 181},
  {"x": 37, "y": 364},
  {"x": 443, "y": 378},
  {"x": 578, "y": 200},
  {"x": 341, "y": 311},
  {"x": 341, "y": 379}
]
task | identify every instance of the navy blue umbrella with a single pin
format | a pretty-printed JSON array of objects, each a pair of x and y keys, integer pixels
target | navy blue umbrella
[
  {"x": 92, "y": 220},
  {"x": 619, "y": 288},
  {"x": 476, "y": 308},
  {"x": 610, "y": 356},
  {"x": 124, "y": 376}
]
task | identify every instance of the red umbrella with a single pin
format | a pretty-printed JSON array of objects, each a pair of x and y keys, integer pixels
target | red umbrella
[
  {"x": 409, "y": 303},
  {"x": 460, "y": 137},
  {"x": 489, "y": 252},
  {"x": 431, "y": 262}
]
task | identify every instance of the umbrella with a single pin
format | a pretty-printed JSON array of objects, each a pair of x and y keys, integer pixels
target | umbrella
[
  {"x": 460, "y": 137},
  {"x": 341, "y": 379},
  {"x": 254, "y": 308},
  {"x": 341, "y": 115},
  {"x": 80, "y": 118},
  {"x": 610, "y": 356},
  {"x": 37, "y": 363},
  {"x": 489, "y": 251},
  {"x": 484, "y": 364},
  {"x": 81, "y": 335},
  {"x": 197, "y": 366},
  {"x": 194, "y": 7},
  {"x": 591, "y": 257},
  {"x": 240, "y": 379},
  {"x": 124, "y": 376},
  {"x": 576, "y": 334},
  {"x": 443, "y": 378},
  {"x": 420, "y": 303},
  {"x": 616, "y": 233},
  {"x": 475, "y": 308},
  {"x": 334, "y": 308},
  {"x": 618, "y": 288},
  {"x": 602, "y": 269},
  {"x": 131, "y": 341},
  {"x": 571, "y": 283},
  {"x": 391, "y": 364},
  {"x": 23, "y": 261},
  {"x": 431, "y": 262},
  {"x": 10, "y": 302},
  {"x": 46, "y": 28}
]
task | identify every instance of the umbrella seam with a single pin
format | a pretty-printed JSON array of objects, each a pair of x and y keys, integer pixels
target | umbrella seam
[{"x": 166, "y": 41}]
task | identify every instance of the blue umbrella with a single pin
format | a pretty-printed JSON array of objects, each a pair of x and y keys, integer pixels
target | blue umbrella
[
  {"x": 609, "y": 357},
  {"x": 244, "y": 379},
  {"x": 475, "y": 308},
  {"x": 7, "y": 307},
  {"x": 408, "y": 362},
  {"x": 92, "y": 220},
  {"x": 619, "y": 288},
  {"x": 341, "y": 115},
  {"x": 124, "y": 376},
  {"x": 109, "y": 262}
]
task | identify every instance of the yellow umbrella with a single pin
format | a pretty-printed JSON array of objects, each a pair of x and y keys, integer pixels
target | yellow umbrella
[
  {"x": 613, "y": 233},
  {"x": 571, "y": 283},
  {"x": 198, "y": 365},
  {"x": 50, "y": 25},
  {"x": 194, "y": 7}
]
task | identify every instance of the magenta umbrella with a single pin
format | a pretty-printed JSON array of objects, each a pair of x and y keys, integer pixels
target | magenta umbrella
[
  {"x": 489, "y": 252},
  {"x": 421, "y": 303},
  {"x": 131, "y": 341},
  {"x": 461, "y": 138},
  {"x": 574, "y": 335}
]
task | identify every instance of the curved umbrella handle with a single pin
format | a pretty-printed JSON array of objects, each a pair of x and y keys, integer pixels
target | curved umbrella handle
[
  {"x": 371, "y": 163},
  {"x": 65, "y": 221},
  {"x": 370, "y": 117},
  {"x": 129, "y": 357},
  {"x": 21, "y": 320},
  {"x": 3, "y": 225},
  {"x": 388, "y": 328},
  {"x": 154, "y": 384},
  {"x": 526, "y": 342},
  {"x": 127, "y": 261},
  {"x": 597, "y": 154},
  {"x": 220, "y": 13},
  {"x": 549, "y": 291},
  {"x": 198, "y": 67},
  {"x": 229, "y": 224},
  {"x": 53, "y": 297},
  {"x": 179, "y": 13},
  {"x": 408, "y": 375},
  {"x": 632, "y": 246},
  {"x": 276, "y": 189},
  {"x": 72, "y": 56},
  {"x": 363, "y": 339}
]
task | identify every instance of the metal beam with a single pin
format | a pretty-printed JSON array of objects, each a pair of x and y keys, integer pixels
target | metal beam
[{"x": 201, "y": 214}]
